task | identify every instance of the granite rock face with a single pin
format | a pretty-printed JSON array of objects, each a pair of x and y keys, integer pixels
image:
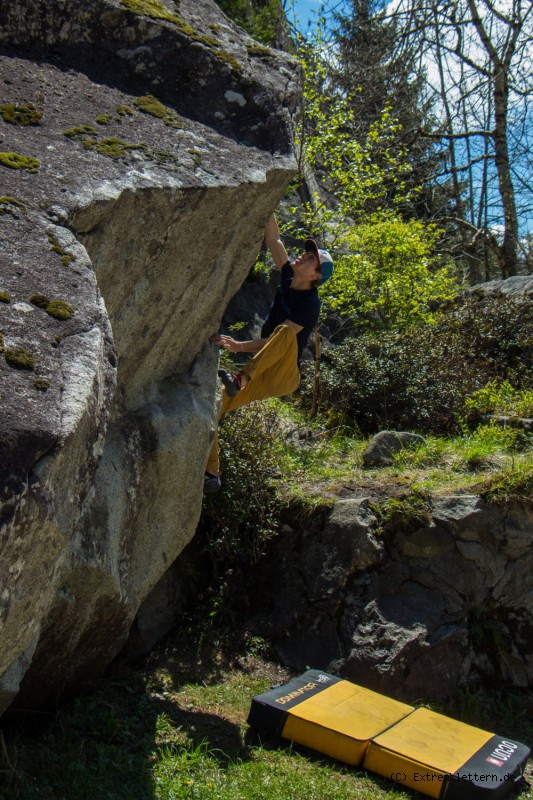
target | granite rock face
[
  {"x": 140, "y": 156},
  {"x": 411, "y": 612}
]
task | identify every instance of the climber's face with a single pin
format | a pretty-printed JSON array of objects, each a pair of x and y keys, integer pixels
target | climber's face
[{"x": 308, "y": 266}]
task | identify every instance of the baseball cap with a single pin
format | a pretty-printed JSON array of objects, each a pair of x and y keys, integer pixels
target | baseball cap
[{"x": 326, "y": 262}]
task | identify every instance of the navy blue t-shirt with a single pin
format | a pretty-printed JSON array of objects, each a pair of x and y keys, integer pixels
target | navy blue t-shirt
[{"x": 301, "y": 306}]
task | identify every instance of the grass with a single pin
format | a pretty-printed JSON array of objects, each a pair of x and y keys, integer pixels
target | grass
[
  {"x": 317, "y": 460},
  {"x": 176, "y": 728}
]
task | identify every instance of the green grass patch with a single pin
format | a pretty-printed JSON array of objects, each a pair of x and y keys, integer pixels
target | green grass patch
[{"x": 177, "y": 729}]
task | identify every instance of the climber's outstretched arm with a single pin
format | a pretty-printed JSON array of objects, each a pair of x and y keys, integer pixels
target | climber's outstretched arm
[{"x": 274, "y": 243}]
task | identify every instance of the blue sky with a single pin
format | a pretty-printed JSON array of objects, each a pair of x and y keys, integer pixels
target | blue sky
[{"x": 307, "y": 10}]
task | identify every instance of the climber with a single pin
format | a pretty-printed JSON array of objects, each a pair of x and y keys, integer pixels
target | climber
[{"x": 274, "y": 370}]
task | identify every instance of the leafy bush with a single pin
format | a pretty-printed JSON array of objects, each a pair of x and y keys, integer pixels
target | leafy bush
[
  {"x": 238, "y": 521},
  {"x": 391, "y": 275},
  {"x": 501, "y": 398},
  {"x": 420, "y": 379}
]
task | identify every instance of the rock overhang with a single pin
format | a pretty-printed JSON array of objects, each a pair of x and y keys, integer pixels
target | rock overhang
[{"x": 129, "y": 163}]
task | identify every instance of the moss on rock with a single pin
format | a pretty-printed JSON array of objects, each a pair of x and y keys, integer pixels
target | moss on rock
[
  {"x": 56, "y": 247},
  {"x": 80, "y": 132},
  {"x": 16, "y": 161},
  {"x": 149, "y": 104},
  {"x": 150, "y": 8},
  {"x": 112, "y": 147},
  {"x": 5, "y": 297},
  {"x": 19, "y": 358},
  {"x": 20, "y": 115},
  {"x": 8, "y": 204},
  {"x": 104, "y": 119},
  {"x": 124, "y": 111},
  {"x": 228, "y": 59},
  {"x": 1, "y": 342},
  {"x": 41, "y": 384},
  {"x": 39, "y": 300},
  {"x": 59, "y": 309},
  {"x": 257, "y": 50}
]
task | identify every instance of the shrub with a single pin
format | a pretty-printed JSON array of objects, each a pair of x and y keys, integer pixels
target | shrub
[
  {"x": 420, "y": 379},
  {"x": 501, "y": 398},
  {"x": 391, "y": 275},
  {"x": 237, "y": 522}
]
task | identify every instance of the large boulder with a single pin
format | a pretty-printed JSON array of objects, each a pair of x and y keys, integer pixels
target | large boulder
[
  {"x": 411, "y": 610},
  {"x": 141, "y": 152}
]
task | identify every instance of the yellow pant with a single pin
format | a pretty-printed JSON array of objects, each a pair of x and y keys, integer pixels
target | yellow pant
[{"x": 273, "y": 372}]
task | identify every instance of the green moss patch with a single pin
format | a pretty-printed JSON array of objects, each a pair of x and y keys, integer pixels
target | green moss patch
[
  {"x": 104, "y": 119},
  {"x": 19, "y": 358},
  {"x": 111, "y": 146},
  {"x": 41, "y": 384},
  {"x": 1, "y": 342},
  {"x": 257, "y": 50},
  {"x": 149, "y": 104},
  {"x": 20, "y": 115},
  {"x": 156, "y": 10},
  {"x": 56, "y": 247},
  {"x": 39, "y": 300},
  {"x": 5, "y": 297},
  {"x": 80, "y": 132},
  {"x": 16, "y": 161},
  {"x": 150, "y": 8},
  {"x": 124, "y": 111},
  {"x": 9, "y": 204},
  {"x": 228, "y": 59},
  {"x": 59, "y": 309}
]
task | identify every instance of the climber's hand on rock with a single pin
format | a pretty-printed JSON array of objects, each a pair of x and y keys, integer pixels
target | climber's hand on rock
[{"x": 227, "y": 343}]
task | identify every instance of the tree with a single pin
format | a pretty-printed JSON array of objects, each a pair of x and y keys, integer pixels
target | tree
[
  {"x": 477, "y": 52},
  {"x": 262, "y": 19},
  {"x": 368, "y": 67}
]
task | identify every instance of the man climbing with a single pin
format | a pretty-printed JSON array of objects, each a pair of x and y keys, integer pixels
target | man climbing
[{"x": 274, "y": 370}]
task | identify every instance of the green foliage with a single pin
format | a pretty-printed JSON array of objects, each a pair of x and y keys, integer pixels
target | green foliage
[
  {"x": 239, "y": 521},
  {"x": 390, "y": 276},
  {"x": 360, "y": 175},
  {"x": 515, "y": 484},
  {"x": 501, "y": 398},
  {"x": 5, "y": 297},
  {"x": 406, "y": 513},
  {"x": 262, "y": 21},
  {"x": 420, "y": 379}
]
